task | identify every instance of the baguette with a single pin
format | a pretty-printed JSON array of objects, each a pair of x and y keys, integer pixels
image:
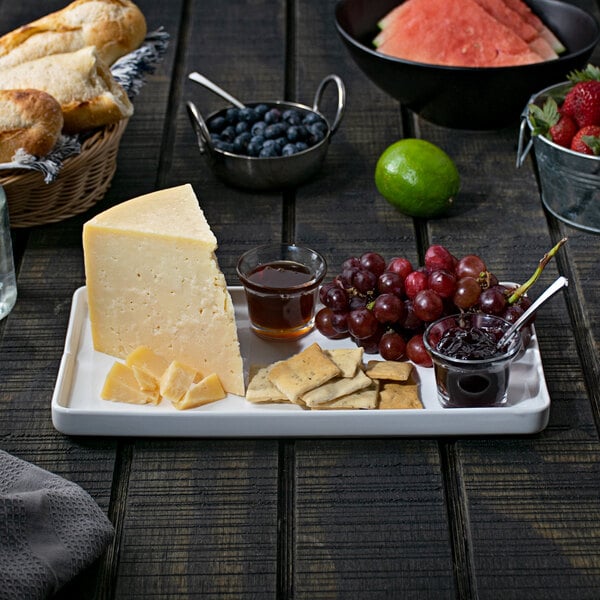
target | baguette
[
  {"x": 82, "y": 84},
  {"x": 114, "y": 27},
  {"x": 29, "y": 119}
]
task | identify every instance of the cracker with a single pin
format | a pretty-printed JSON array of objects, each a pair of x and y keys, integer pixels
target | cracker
[
  {"x": 390, "y": 370},
  {"x": 303, "y": 372},
  {"x": 367, "y": 398},
  {"x": 335, "y": 388},
  {"x": 347, "y": 359},
  {"x": 395, "y": 395},
  {"x": 260, "y": 389}
]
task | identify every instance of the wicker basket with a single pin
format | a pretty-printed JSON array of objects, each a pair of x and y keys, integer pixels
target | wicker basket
[{"x": 83, "y": 181}]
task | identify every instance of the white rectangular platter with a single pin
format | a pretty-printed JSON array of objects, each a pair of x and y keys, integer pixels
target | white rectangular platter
[{"x": 77, "y": 408}]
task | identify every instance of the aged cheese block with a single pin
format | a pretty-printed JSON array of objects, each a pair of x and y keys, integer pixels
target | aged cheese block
[{"x": 153, "y": 280}]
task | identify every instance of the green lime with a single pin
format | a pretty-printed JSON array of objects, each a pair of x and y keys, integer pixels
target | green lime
[{"x": 417, "y": 177}]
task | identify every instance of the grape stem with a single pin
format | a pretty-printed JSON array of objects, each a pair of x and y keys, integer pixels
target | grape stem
[{"x": 522, "y": 289}]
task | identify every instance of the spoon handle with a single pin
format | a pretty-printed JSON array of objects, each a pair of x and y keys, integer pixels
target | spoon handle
[
  {"x": 213, "y": 87},
  {"x": 560, "y": 283}
]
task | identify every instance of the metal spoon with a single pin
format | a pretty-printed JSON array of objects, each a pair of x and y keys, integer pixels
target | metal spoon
[
  {"x": 560, "y": 283},
  {"x": 213, "y": 87}
]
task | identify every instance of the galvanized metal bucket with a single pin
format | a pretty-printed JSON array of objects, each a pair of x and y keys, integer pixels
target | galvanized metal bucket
[{"x": 569, "y": 181}]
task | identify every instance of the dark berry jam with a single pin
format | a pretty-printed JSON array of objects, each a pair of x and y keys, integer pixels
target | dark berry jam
[{"x": 473, "y": 343}]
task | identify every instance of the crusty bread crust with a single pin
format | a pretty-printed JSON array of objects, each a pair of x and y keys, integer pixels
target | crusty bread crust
[
  {"x": 29, "y": 119},
  {"x": 81, "y": 83},
  {"x": 114, "y": 27}
]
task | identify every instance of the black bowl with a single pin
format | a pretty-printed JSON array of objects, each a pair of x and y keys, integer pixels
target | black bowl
[{"x": 465, "y": 97}]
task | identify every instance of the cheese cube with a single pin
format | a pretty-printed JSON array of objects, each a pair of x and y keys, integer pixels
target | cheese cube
[
  {"x": 153, "y": 280},
  {"x": 176, "y": 381},
  {"x": 121, "y": 385},
  {"x": 147, "y": 367},
  {"x": 206, "y": 390}
]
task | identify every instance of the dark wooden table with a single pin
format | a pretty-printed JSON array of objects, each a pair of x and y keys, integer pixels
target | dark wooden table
[{"x": 494, "y": 517}]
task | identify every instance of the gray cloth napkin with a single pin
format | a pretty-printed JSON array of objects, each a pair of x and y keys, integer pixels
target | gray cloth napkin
[{"x": 50, "y": 530}]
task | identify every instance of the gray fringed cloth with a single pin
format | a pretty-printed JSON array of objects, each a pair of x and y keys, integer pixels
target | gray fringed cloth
[
  {"x": 50, "y": 530},
  {"x": 129, "y": 71}
]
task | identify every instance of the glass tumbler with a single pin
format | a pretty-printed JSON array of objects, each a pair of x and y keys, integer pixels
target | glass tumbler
[{"x": 8, "y": 282}]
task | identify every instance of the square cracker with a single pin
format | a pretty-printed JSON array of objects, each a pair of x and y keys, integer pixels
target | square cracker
[
  {"x": 367, "y": 398},
  {"x": 347, "y": 359},
  {"x": 260, "y": 389},
  {"x": 303, "y": 372},
  {"x": 335, "y": 388},
  {"x": 390, "y": 370},
  {"x": 395, "y": 395}
]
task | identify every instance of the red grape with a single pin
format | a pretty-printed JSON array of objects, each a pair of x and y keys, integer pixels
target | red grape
[
  {"x": 392, "y": 346},
  {"x": 428, "y": 306},
  {"x": 416, "y": 351},
  {"x": 336, "y": 299},
  {"x": 339, "y": 322},
  {"x": 391, "y": 283},
  {"x": 323, "y": 322},
  {"x": 467, "y": 293},
  {"x": 351, "y": 263},
  {"x": 442, "y": 282},
  {"x": 388, "y": 308},
  {"x": 362, "y": 323},
  {"x": 374, "y": 262},
  {"x": 400, "y": 265},
  {"x": 414, "y": 283},
  {"x": 470, "y": 266},
  {"x": 364, "y": 281},
  {"x": 438, "y": 257},
  {"x": 492, "y": 301}
]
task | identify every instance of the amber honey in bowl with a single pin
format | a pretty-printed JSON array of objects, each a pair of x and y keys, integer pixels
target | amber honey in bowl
[{"x": 281, "y": 283}]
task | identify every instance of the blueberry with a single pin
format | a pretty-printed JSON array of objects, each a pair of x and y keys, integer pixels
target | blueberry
[
  {"x": 270, "y": 144},
  {"x": 292, "y": 133},
  {"x": 240, "y": 142},
  {"x": 261, "y": 109},
  {"x": 248, "y": 115},
  {"x": 231, "y": 115},
  {"x": 300, "y": 146},
  {"x": 273, "y": 115},
  {"x": 228, "y": 134},
  {"x": 258, "y": 139},
  {"x": 268, "y": 152},
  {"x": 217, "y": 124},
  {"x": 281, "y": 142},
  {"x": 242, "y": 127},
  {"x": 258, "y": 128},
  {"x": 253, "y": 148},
  {"x": 311, "y": 118},
  {"x": 225, "y": 146},
  {"x": 292, "y": 116},
  {"x": 288, "y": 150},
  {"x": 275, "y": 130}
]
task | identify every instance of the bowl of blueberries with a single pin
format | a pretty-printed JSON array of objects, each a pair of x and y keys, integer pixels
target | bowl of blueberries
[{"x": 268, "y": 145}]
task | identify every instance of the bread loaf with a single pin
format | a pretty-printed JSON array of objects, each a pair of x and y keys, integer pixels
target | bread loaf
[
  {"x": 29, "y": 119},
  {"x": 114, "y": 27},
  {"x": 83, "y": 85}
]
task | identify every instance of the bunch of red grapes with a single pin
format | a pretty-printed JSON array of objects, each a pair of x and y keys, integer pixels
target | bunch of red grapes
[{"x": 385, "y": 306}]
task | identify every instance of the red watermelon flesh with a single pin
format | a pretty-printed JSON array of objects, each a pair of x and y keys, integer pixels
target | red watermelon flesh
[
  {"x": 453, "y": 33},
  {"x": 513, "y": 20},
  {"x": 524, "y": 10}
]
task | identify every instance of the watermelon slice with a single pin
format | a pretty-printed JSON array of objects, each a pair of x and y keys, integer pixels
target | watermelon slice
[
  {"x": 515, "y": 21},
  {"x": 452, "y": 33},
  {"x": 524, "y": 10}
]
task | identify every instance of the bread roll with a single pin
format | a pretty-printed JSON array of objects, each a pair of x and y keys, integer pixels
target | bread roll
[
  {"x": 115, "y": 27},
  {"x": 83, "y": 85},
  {"x": 29, "y": 119}
]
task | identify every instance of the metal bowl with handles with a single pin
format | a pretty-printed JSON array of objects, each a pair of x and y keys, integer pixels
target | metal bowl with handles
[{"x": 277, "y": 172}]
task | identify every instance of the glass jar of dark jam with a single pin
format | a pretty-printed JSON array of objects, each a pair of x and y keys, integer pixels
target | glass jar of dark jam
[{"x": 470, "y": 369}]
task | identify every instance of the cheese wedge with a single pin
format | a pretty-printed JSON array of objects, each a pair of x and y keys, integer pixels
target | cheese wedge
[
  {"x": 147, "y": 367},
  {"x": 206, "y": 390},
  {"x": 176, "y": 381},
  {"x": 153, "y": 280}
]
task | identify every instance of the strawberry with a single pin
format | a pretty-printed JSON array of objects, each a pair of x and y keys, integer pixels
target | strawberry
[
  {"x": 587, "y": 140},
  {"x": 582, "y": 102},
  {"x": 563, "y": 131}
]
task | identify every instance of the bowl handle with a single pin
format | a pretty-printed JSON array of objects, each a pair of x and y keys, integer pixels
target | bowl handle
[
  {"x": 341, "y": 90},
  {"x": 200, "y": 128}
]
